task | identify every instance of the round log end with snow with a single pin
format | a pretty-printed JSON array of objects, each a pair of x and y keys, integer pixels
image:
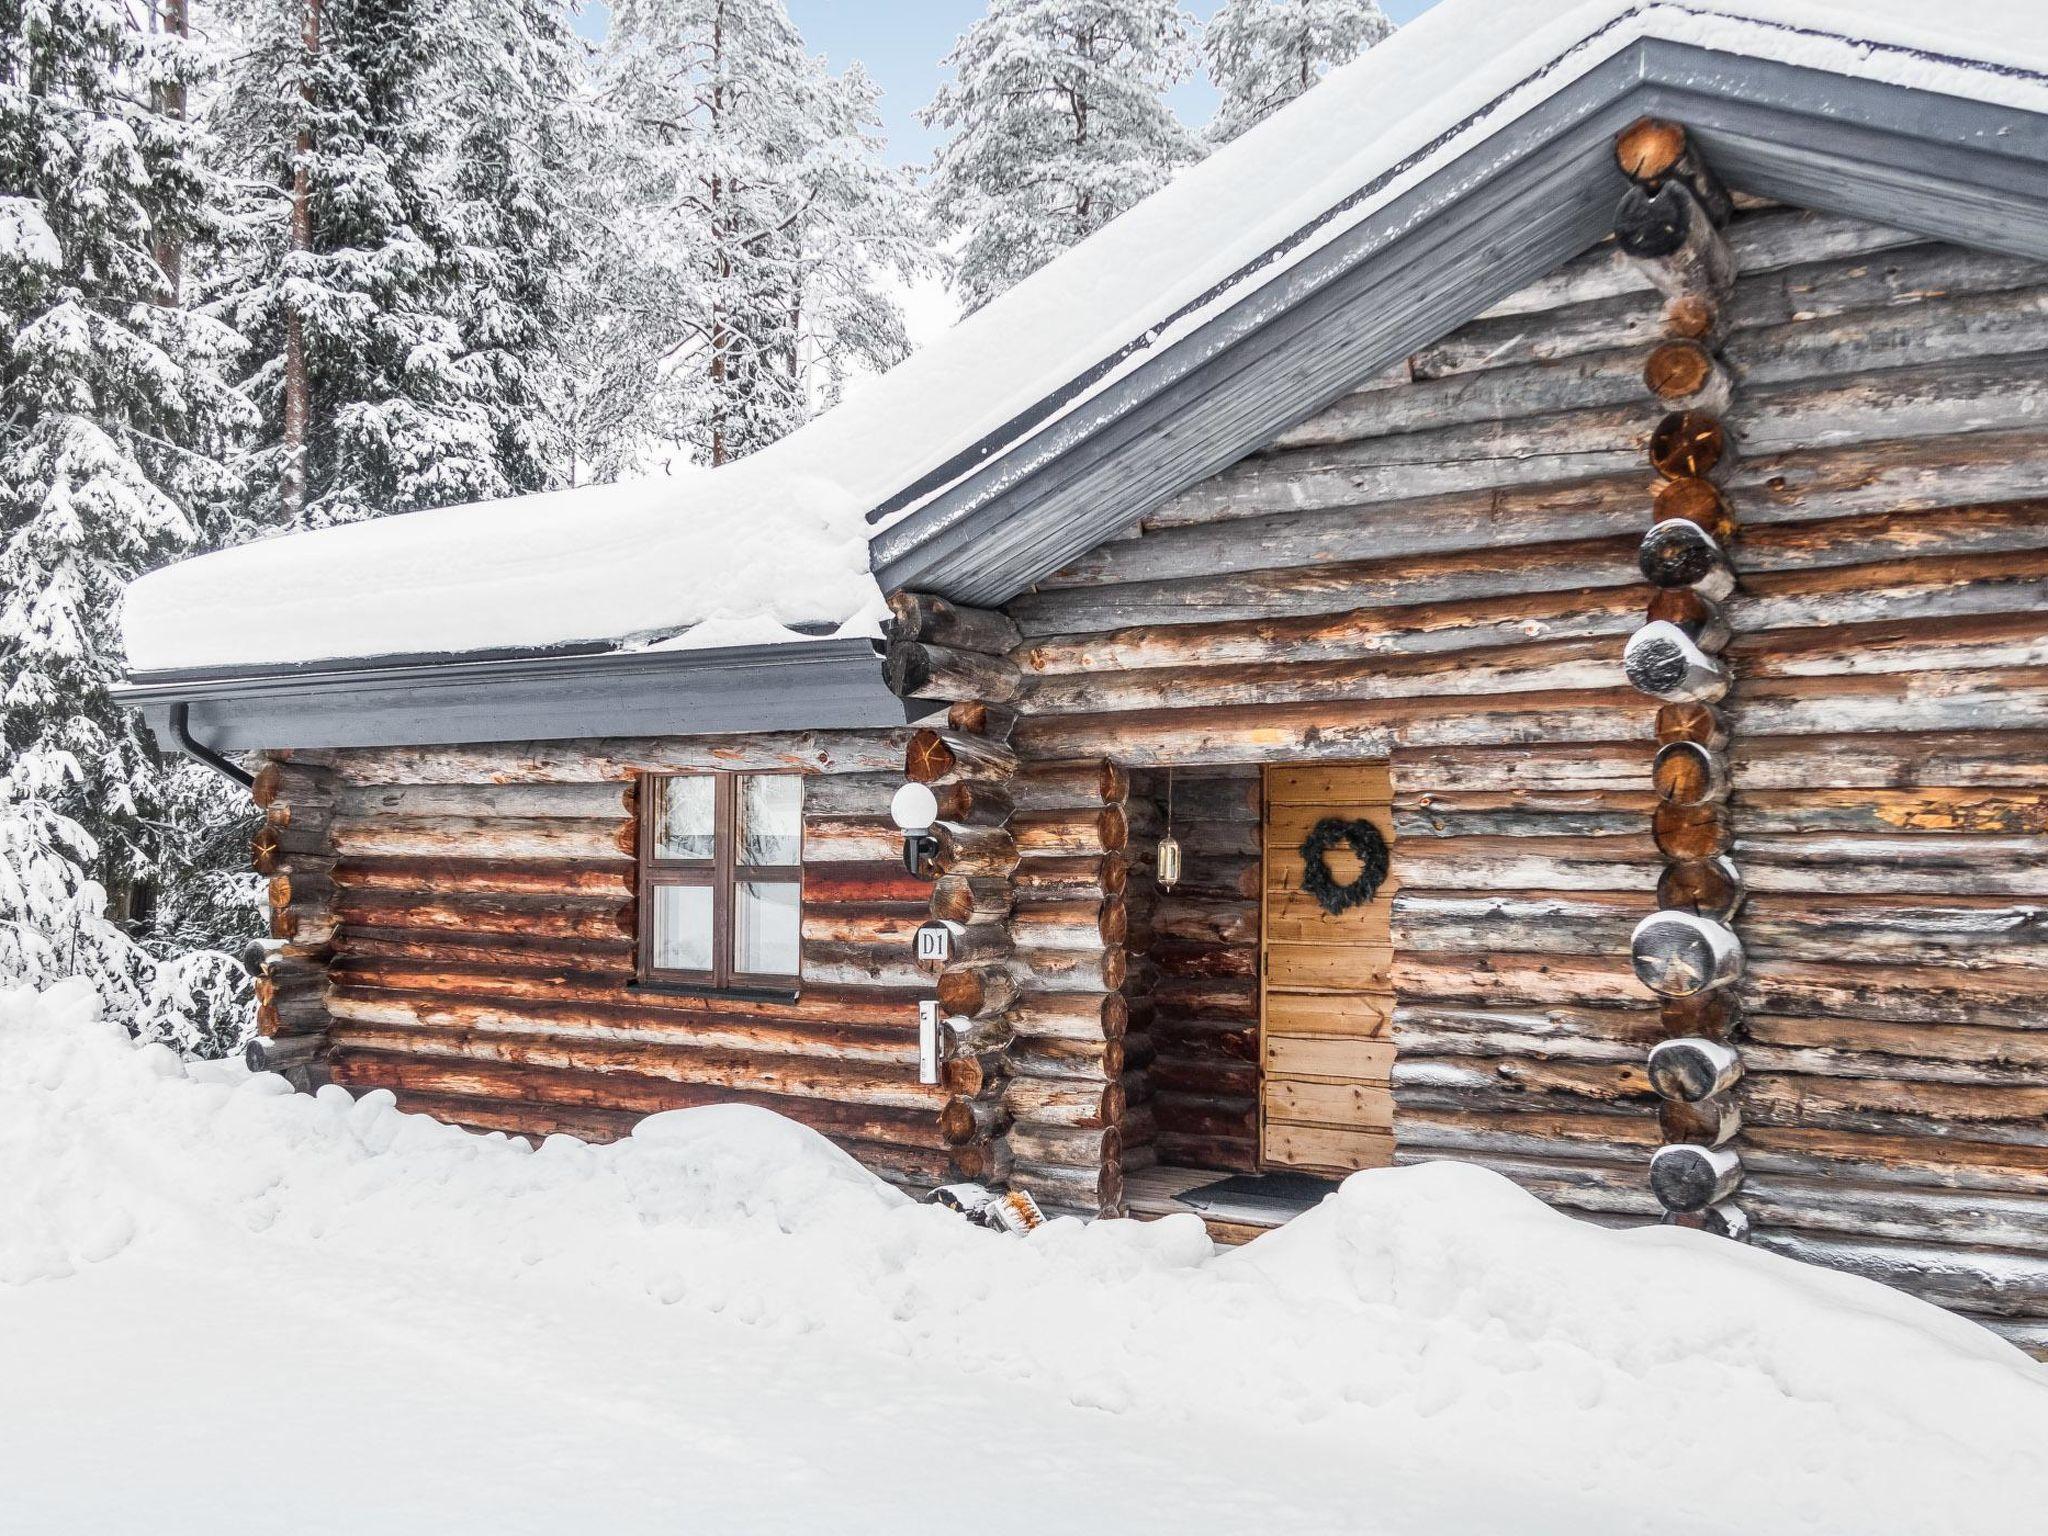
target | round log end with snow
[
  {"x": 1662, "y": 661},
  {"x": 1678, "y": 552},
  {"x": 1693, "y": 1069},
  {"x": 1679, "y": 954},
  {"x": 1689, "y": 1178}
]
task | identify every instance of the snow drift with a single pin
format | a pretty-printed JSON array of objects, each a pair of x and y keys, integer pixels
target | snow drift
[{"x": 1431, "y": 1338}]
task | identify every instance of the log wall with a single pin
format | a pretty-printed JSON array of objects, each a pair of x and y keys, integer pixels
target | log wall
[
  {"x": 1441, "y": 570},
  {"x": 459, "y": 929}
]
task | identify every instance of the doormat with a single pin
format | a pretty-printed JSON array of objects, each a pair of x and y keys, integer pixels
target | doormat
[{"x": 1295, "y": 1191}]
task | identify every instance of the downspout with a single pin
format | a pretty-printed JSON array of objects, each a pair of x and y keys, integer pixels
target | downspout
[{"x": 199, "y": 751}]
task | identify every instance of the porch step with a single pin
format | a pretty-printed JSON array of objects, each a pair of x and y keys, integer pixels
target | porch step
[{"x": 1250, "y": 1205}]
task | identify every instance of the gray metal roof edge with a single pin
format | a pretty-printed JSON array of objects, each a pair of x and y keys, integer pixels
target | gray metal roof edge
[
  {"x": 1789, "y": 131},
  {"x": 732, "y": 690}
]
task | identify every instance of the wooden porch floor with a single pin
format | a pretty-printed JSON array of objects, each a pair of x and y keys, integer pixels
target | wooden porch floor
[{"x": 1150, "y": 1193}]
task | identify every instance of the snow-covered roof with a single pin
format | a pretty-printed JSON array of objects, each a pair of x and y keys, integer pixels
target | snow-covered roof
[{"x": 743, "y": 552}]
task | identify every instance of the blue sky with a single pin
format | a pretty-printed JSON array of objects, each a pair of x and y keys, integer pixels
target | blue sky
[{"x": 901, "y": 42}]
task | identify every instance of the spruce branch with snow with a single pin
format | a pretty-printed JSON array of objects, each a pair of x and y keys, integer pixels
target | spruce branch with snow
[
  {"x": 1057, "y": 123},
  {"x": 1262, "y": 54},
  {"x": 116, "y": 413}
]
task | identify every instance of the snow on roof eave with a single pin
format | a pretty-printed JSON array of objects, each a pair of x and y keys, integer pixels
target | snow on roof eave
[
  {"x": 961, "y": 535},
  {"x": 803, "y": 683},
  {"x": 1229, "y": 247}
]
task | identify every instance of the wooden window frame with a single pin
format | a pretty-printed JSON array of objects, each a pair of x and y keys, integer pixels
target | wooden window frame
[{"x": 723, "y": 875}]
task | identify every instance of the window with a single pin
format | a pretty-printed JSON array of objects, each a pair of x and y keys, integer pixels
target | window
[{"x": 721, "y": 880}]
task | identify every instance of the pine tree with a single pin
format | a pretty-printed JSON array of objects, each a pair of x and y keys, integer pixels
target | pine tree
[
  {"x": 113, "y": 415},
  {"x": 1058, "y": 123},
  {"x": 1262, "y": 54},
  {"x": 505, "y": 98},
  {"x": 345, "y": 266},
  {"x": 751, "y": 223}
]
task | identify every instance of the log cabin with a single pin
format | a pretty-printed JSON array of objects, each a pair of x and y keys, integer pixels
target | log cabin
[{"x": 1504, "y": 616}]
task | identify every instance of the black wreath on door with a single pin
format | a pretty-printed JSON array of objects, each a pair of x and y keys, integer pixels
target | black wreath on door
[{"x": 1365, "y": 841}]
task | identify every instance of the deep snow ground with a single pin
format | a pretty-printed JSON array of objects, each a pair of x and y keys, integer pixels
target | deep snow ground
[{"x": 224, "y": 1308}]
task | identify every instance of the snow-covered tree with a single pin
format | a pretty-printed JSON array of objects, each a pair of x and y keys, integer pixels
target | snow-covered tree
[
  {"x": 1058, "y": 122},
  {"x": 114, "y": 416},
  {"x": 1261, "y": 54},
  {"x": 344, "y": 268},
  {"x": 505, "y": 110},
  {"x": 752, "y": 222}
]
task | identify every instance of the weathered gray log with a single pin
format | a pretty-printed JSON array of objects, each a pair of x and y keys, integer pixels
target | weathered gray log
[
  {"x": 1067, "y": 786},
  {"x": 977, "y": 991},
  {"x": 283, "y": 1055},
  {"x": 980, "y": 851},
  {"x": 1679, "y": 954},
  {"x": 971, "y": 898},
  {"x": 1662, "y": 661},
  {"x": 1689, "y": 1178},
  {"x": 1710, "y": 1122},
  {"x": 1693, "y": 1069},
  {"x": 1673, "y": 240},
  {"x": 916, "y": 670},
  {"x": 918, "y": 616}
]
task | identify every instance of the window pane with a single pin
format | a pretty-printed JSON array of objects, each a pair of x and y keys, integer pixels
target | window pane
[
  {"x": 771, "y": 819},
  {"x": 682, "y": 927},
  {"x": 767, "y": 927},
  {"x": 685, "y": 814}
]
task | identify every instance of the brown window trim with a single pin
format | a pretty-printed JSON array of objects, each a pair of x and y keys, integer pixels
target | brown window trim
[{"x": 723, "y": 876}]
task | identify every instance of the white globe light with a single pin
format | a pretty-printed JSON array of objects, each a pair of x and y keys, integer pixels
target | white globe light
[{"x": 915, "y": 807}]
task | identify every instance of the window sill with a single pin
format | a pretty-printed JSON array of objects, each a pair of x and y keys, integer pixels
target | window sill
[{"x": 768, "y": 994}]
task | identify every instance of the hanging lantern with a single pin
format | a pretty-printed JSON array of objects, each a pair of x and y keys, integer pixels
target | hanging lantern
[
  {"x": 1169, "y": 862},
  {"x": 1166, "y": 865}
]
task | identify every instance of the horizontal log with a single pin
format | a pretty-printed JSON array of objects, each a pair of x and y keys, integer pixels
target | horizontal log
[
  {"x": 977, "y": 991},
  {"x": 293, "y": 782},
  {"x": 453, "y": 876},
  {"x": 1711, "y": 888},
  {"x": 1070, "y": 1015},
  {"x": 919, "y": 616},
  {"x": 1083, "y": 924},
  {"x": 603, "y": 801},
  {"x": 1070, "y": 833},
  {"x": 484, "y": 837},
  {"x": 1089, "y": 1191},
  {"x": 940, "y": 757},
  {"x": 914, "y": 670},
  {"x": 619, "y": 1091},
  {"x": 971, "y": 898},
  {"x": 979, "y": 851},
  {"x": 803, "y": 1077},
  {"x": 1688, "y": 774},
  {"x": 1665, "y": 232},
  {"x": 1070, "y": 877},
  {"x": 1708, "y": 1122},
  {"x": 1063, "y": 1101},
  {"x": 1066, "y": 786},
  {"x": 1679, "y": 553},
  {"x": 616, "y": 758}
]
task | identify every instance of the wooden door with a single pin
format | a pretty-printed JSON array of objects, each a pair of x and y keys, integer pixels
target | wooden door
[{"x": 1326, "y": 999}]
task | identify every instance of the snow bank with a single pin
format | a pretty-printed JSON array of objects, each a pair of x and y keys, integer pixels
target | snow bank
[
  {"x": 781, "y": 533},
  {"x": 1431, "y": 1336}
]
